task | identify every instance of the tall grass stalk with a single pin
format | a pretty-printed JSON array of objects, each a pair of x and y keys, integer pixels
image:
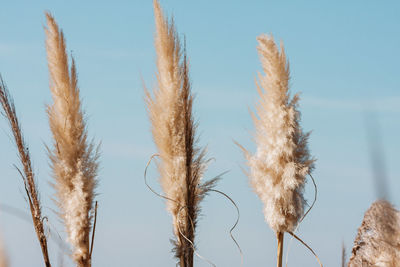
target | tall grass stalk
[
  {"x": 174, "y": 132},
  {"x": 74, "y": 159},
  {"x": 26, "y": 172}
]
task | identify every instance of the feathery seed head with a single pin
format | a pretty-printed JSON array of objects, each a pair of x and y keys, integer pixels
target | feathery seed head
[
  {"x": 169, "y": 108},
  {"x": 378, "y": 238},
  {"x": 282, "y": 160},
  {"x": 73, "y": 158}
]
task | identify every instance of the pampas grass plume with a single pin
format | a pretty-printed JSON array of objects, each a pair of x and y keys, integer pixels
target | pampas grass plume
[
  {"x": 170, "y": 112},
  {"x": 378, "y": 239},
  {"x": 73, "y": 157},
  {"x": 278, "y": 168}
]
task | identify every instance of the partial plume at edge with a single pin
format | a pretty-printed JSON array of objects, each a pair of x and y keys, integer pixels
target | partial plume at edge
[{"x": 378, "y": 239}]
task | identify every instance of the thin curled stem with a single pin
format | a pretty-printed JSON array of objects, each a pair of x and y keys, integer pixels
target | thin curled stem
[
  {"x": 190, "y": 242},
  {"x": 236, "y": 222},
  {"x": 307, "y": 246},
  {"x": 230, "y": 231},
  {"x": 148, "y": 186},
  {"x": 191, "y": 221},
  {"x": 302, "y": 218},
  {"x": 180, "y": 209},
  {"x": 94, "y": 230}
]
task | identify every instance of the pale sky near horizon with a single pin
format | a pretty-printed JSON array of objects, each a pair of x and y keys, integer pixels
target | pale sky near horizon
[{"x": 344, "y": 60}]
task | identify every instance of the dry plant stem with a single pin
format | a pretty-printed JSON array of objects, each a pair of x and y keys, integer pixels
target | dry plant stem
[
  {"x": 304, "y": 216},
  {"x": 307, "y": 246},
  {"x": 184, "y": 208},
  {"x": 27, "y": 171},
  {"x": 94, "y": 229},
  {"x": 182, "y": 261},
  {"x": 279, "y": 236},
  {"x": 236, "y": 222}
]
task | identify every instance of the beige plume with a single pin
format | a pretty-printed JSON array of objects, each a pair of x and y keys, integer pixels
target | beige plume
[
  {"x": 378, "y": 238},
  {"x": 170, "y": 112},
  {"x": 73, "y": 157},
  {"x": 278, "y": 168}
]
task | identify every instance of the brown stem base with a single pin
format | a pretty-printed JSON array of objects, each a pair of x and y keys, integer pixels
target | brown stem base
[
  {"x": 182, "y": 261},
  {"x": 279, "y": 236}
]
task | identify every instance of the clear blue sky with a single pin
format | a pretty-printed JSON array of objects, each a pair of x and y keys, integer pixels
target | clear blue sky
[{"x": 344, "y": 59}]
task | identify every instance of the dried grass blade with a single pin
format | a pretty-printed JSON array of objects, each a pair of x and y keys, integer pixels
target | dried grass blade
[{"x": 26, "y": 173}]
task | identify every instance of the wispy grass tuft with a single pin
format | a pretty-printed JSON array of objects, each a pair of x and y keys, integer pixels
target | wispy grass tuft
[{"x": 26, "y": 172}]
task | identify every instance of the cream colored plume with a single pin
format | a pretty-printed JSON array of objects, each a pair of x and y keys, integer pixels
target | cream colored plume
[
  {"x": 378, "y": 239},
  {"x": 278, "y": 168},
  {"x": 73, "y": 157},
  {"x": 170, "y": 112}
]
